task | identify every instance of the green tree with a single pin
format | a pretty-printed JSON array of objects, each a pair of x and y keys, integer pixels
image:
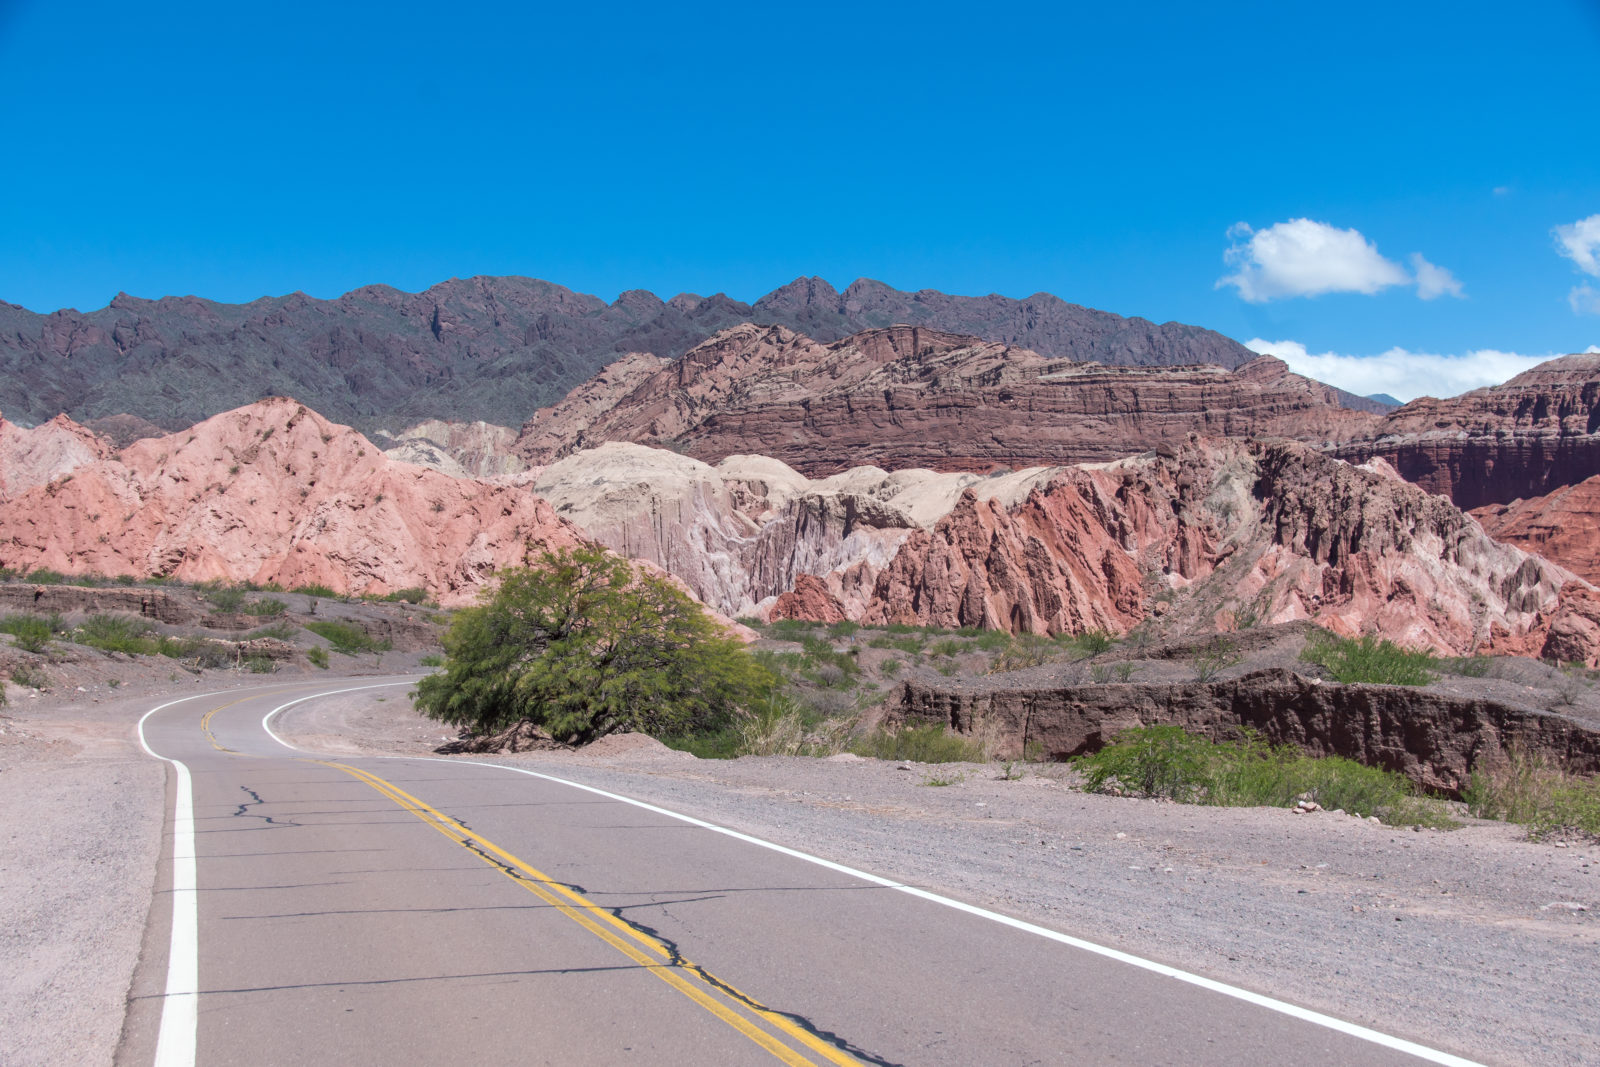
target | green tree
[{"x": 584, "y": 644}]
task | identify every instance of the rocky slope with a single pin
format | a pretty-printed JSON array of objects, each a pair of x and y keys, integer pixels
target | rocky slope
[
  {"x": 461, "y": 449},
  {"x": 1523, "y": 439},
  {"x": 273, "y": 492},
  {"x": 44, "y": 453},
  {"x": 1560, "y": 526},
  {"x": 479, "y": 348},
  {"x": 911, "y": 397},
  {"x": 745, "y": 531}
]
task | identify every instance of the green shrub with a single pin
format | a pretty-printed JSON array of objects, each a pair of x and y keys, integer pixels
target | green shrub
[
  {"x": 947, "y": 648},
  {"x": 1026, "y": 650},
  {"x": 432, "y": 659},
  {"x": 260, "y": 665},
  {"x": 269, "y": 607},
  {"x": 200, "y": 651},
  {"x": 118, "y": 633},
  {"x": 1547, "y": 801},
  {"x": 1468, "y": 666},
  {"x": 1216, "y": 657},
  {"x": 585, "y": 643},
  {"x": 1090, "y": 642},
  {"x": 228, "y": 599},
  {"x": 790, "y": 629},
  {"x": 920, "y": 744},
  {"x": 1165, "y": 761},
  {"x": 346, "y": 638},
  {"x": 318, "y": 656},
  {"x": 46, "y": 576},
  {"x": 842, "y": 629},
  {"x": 889, "y": 667},
  {"x": 413, "y": 595},
  {"x": 315, "y": 590},
  {"x": 1370, "y": 659},
  {"x": 32, "y": 632}
]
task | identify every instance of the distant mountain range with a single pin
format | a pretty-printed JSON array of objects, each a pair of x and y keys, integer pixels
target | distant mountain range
[{"x": 487, "y": 348}]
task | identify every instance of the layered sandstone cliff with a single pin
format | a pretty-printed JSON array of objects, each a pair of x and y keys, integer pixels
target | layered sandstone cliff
[
  {"x": 273, "y": 492},
  {"x": 462, "y": 449},
  {"x": 904, "y": 397},
  {"x": 1563, "y": 526},
  {"x": 1523, "y": 439}
]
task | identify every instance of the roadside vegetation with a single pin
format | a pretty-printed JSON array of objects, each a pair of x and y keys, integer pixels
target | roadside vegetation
[
  {"x": 1548, "y": 801},
  {"x": 1370, "y": 660},
  {"x": 1169, "y": 763}
]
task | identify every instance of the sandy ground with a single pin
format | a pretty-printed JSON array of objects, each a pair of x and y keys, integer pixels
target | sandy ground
[{"x": 1474, "y": 940}]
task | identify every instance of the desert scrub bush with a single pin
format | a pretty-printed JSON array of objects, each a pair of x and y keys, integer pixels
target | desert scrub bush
[
  {"x": 118, "y": 633},
  {"x": 889, "y": 668},
  {"x": 1215, "y": 658},
  {"x": 228, "y": 599},
  {"x": 315, "y": 591},
  {"x": 790, "y": 629},
  {"x": 318, "y": 656},
  {"x": 432, "y": 659},
  {"x": 266, "y": 607},
  {"x": 277, "y": 631},
  {"x": 46, "y": 576},
  {"x": 260, "y": 665},
  {"x": 1467, "y": 666},
  {"x": 198, "y": 651},
  {"x": 1089, "y": 643},
  {"x": 1026, "y": 650},
  {"x": 842, "y": 629},
  {"x": 1549, "y": 802},
  {"x": 1371, "y": 660},
  {"x": 946, "y": 648},
  {"x": 920, "y": 744},
  {"x": 346, "y": 638},
  {"x": 412, "y": 595},
  {"x": 780, "y": 727},
  {"x": 1166, "y": 761},
  {"x": 24, "y": 675},
  {"x": 32, "y": 632}
]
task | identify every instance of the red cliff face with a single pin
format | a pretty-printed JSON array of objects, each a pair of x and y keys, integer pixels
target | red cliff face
[
  {"x": 273, "y": 492},
  {"x": 1563, "y": 526},
  {"x": 912, "y": 397},
  {"x": 1523, "y": 439},
  {"x": 1222, "y": 531}
]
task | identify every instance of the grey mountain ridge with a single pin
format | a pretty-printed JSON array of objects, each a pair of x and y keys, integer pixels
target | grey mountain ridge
[{"x": 490, "y": 348}]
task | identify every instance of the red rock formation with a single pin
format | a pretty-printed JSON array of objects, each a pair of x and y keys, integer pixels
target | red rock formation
[
  {"x": 1276, "y": 530},
  {"x": 273, "y": 492},
  {"x": 1560, "y": 526},
  {"x": 1522, "y": 439},
  {"x": 44, "y": 453},
  {"x": 809, "y": 599},
  {"x": 912, "y": 397}
]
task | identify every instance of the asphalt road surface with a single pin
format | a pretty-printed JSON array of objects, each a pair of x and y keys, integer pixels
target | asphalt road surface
[{"x": 399, "y": 911}]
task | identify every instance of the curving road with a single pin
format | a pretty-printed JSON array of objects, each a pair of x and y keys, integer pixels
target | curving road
[{"x": 383, "y": 911}]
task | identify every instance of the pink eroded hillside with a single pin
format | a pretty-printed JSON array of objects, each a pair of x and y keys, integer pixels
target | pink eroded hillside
[
  {"x": 39, "y": 456},
  {"x": 273, "y": 492}
]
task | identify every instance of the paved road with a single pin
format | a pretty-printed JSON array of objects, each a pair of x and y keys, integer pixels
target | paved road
[{"x": 398, "y": 911}]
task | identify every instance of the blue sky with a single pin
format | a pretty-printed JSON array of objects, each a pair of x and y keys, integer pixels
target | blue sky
[{"x": 233, "y": 151}]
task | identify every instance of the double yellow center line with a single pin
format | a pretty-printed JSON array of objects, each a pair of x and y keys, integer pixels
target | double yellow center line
[{"x": 774, "y": 1032}]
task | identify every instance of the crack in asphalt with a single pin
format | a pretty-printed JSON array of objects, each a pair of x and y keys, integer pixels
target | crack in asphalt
[{"x": 675, "y": 958}]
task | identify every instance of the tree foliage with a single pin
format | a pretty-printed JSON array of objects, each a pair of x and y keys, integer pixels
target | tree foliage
[{"x": 583, "y": 644}]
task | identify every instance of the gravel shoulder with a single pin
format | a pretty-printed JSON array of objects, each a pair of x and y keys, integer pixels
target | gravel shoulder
[{"x": 1474, "y": 941}]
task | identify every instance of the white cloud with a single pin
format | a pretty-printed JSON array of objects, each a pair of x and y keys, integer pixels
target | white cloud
[
  {"x": 1403, "y": 374},
  {"x": 1434, "y": 281},
  {"x": 1580, "y": 242},
  {"x": 1585, "y": 300},
  {"x": 1303, "y": 257}
]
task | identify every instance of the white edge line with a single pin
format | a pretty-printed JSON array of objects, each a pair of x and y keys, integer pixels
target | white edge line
[
  {"x": 1259, "y": 1000},
  {"x": 266, "y": 720},
  {"x": 180, "y": 1014},
  {"x": 180, "y": 1007}
]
